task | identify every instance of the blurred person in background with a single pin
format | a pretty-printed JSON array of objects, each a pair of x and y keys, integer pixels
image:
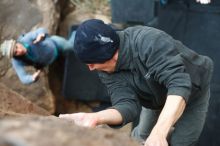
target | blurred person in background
[{"x": 35, "y": 48}]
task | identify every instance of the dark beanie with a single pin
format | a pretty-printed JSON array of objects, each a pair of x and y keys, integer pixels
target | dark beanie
[{"x": 95, "y": 41}]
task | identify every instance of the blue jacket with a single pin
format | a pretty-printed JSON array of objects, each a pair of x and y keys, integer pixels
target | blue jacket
[{"x": 41, "y": 54}]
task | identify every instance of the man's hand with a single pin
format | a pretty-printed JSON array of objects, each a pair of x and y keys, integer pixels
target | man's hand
[
  {"x": 82, "y": 119},
  {"x": 203, "y": 1},
  {"x": 35, "y": 76},
  {"x": 108, "y": 116},
  {"x": 39, "y": 38},
  {"x": 156, "y": 138},
  {"x": 171, "y": 112}
]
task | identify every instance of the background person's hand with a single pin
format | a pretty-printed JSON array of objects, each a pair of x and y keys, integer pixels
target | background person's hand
[
  {"x": 36, "y": 75},
  {"x": 81, "y": 119},
  {"x": 39, "y": 38},
  {"x": 203, "y": 1}
]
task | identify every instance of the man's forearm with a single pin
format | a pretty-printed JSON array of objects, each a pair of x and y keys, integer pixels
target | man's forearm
[
  {"x": 171, "y": 112},
  {"x": 109, "y": 116}
]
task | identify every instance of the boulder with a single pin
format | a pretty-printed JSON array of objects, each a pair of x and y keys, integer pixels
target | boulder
[{"x": 52, "y": 131}]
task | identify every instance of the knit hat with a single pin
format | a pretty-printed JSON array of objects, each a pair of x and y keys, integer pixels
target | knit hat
[
  {"x": 95, "y": 41},
  {"x": 7, "y": 48}
]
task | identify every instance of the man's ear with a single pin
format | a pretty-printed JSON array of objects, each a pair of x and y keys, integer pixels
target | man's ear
[
  {"x": 90, "y": 66},
  {"x": 115, "y": 56}
]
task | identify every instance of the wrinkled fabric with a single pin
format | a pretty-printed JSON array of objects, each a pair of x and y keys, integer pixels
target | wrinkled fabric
[{"x": 197, "y": 26}]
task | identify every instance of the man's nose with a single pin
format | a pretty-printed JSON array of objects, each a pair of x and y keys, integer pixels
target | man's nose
[{"x": 91, "y": 68}]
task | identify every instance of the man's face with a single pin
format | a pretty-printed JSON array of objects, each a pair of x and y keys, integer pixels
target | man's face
[
  {"x": 100, "y": 67},
  {"x": 108, "y": 66},
  {"x": 19, "y": 50}
]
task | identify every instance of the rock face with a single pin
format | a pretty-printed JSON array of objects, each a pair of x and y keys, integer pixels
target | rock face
[
  {"x": 79, "y": 11},
  {"x": 17, "y": 17},
  {"x": 52, "y": 131},
  {"x": 13, "y": 103}
]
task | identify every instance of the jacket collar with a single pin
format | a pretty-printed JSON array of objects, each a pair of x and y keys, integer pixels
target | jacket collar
[{"x": 125, "y": 58}]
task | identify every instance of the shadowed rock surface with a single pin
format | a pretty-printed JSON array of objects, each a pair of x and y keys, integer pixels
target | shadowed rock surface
[
  {"x": 12, "y": 103},
  {"x": 21, "y": 16},
  {"x": 52, "y": 131}
]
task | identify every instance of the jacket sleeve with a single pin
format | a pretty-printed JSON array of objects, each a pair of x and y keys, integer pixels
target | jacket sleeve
[
  {"x": 61, "y": 43},
  {"x": 64, "y": 44},
  {"x": 24, "y": 77},
  {"x": 32, "y": 35},
  {"x": 158, "y": 52},
  {"x": 123, "y": 98}
]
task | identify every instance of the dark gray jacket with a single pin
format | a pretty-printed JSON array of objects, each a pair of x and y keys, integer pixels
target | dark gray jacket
[{"x": 150, "y": 66}]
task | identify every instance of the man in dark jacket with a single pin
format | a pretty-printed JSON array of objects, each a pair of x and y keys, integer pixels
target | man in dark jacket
[{"x": 145, "y": 67}]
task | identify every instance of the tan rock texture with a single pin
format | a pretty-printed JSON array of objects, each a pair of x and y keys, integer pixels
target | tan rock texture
[
  {"x": 12, "y": 103},
  {"x": 52, "y": 131}
]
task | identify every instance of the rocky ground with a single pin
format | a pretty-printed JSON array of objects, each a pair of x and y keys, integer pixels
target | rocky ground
[{"x": 12, "y": 102}]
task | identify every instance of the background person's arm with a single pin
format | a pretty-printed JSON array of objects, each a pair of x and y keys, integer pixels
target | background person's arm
[
  {"x": 24, "y": 77},
  {"x": 33, "y": 36}
]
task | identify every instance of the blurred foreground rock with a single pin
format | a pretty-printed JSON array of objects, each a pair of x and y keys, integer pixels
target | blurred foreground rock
[{"x": 52, "y": 131}]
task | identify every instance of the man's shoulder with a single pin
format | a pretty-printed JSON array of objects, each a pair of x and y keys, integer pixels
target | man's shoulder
[
  {"x": 142, "y": 28},
  {"x": 141, "y": 33},
  {"x": 109, "y": 78},
  {"x": 106, "y": 76}
]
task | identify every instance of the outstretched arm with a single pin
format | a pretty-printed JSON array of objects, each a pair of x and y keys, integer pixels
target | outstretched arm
[
  {"x": 33, "y": 36},
  {"x": 171, "y": 112},
  {"x": 108, "y": 116}
]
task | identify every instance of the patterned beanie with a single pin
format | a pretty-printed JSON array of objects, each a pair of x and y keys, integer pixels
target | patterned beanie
[
  {"x": 95, "y": 41},
  {"x": 7, "y": 48}
]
